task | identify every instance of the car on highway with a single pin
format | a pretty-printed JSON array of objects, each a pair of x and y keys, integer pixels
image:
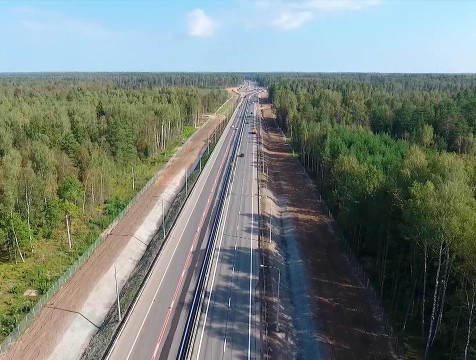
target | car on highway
[
  {"x": 241, "y": 155},
  {"x": 254, "y": 131}
]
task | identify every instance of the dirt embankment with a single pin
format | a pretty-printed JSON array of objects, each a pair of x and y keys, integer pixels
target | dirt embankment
[
  {"x": 344, "y": 324},
  {"x": 233, "y": 91}
]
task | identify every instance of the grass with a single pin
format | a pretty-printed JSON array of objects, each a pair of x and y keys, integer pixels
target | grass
[
  {"x": 230, "y": 105},
  {"x": 188, "y": 131}
]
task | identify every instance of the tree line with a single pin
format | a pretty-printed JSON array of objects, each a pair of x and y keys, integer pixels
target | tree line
[
  {"x": 131, "y": 80},
  {"x": 64, "y": 149},
  {"x": 402, "y": 187},
  {"x": 444, "y": 120}
]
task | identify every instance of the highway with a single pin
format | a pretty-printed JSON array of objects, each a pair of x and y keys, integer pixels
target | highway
[
  {"x": 229, "y": 323},
  {"x": 155, "y": 326}
]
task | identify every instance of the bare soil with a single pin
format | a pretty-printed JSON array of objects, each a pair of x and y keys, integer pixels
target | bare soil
[
  {"x": 233, "y": 91},
  {"x": 345, "y": 322},
  {"x": 40, "y": 338}
]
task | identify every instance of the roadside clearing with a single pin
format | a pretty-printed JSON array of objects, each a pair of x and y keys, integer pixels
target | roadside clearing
[{"x": 318, "y": 282}]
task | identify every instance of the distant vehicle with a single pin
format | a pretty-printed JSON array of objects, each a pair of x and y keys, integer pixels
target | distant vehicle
[
  {"x": 254, "y": 131},
  {"x": 241, "y": 155},
  {"x": 247, "y": 122},
  {"x": 251, "y": 112}
]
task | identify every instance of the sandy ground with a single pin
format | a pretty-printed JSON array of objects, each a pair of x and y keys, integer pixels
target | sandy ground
[
  {"x": 233, "y": 91},
  {"x": 58, "y": 322},
  {"x": 344, "y": 324}
]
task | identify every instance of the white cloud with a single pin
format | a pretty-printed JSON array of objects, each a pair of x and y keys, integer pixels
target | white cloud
[
  {"x": 291, "y": 20},
  {"x": 200, "y": 24},
  {"x": 292, "y": 14}
]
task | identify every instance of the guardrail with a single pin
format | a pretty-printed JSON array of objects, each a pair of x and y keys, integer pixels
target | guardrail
[{"x": 195, "y": 309}]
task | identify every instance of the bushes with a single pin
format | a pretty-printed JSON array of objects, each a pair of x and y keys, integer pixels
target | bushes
[
  {"x": 188, "y": 131},
  {"x": 114, "y": 206},
  {"x": 39, "y": 279}
]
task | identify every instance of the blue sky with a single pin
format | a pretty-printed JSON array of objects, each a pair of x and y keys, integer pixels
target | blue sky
[{"x": 239, "y": 35}]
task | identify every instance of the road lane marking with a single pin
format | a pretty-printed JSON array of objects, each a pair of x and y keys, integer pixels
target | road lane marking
[
  {"x": 216, "y": 264},
  {"x": 251, "y": 259},
  {"x": 213, "y": 279},
  {"x": 165, "y": 272},
  {"x": 202, "y": 219},
  {"x": 173, "y": 254},
  {"x": 251, "y": 249}
]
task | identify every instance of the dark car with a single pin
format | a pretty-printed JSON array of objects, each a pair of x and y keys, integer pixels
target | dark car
[{"x": 241, "y": 155}]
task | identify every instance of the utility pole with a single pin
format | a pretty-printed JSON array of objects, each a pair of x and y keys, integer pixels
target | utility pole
[
  {"x": 186, "y": 183},
  {"x": 279, "y": 285},
  {"x": 163, "y": 216},
  {"x": 117, "y": 295},
  {"x": 133, "y": 181},
  {"x": 267, "y": 180},
  {"x": 279, "y": 300},
  {"x": 270, "y": 222},
  {"x": 67, "y": 228}
]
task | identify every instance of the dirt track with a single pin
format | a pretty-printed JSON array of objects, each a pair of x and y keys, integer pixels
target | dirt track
[
  {"x": 342, "y": 314},
  {"x": 39, "y": 340}
]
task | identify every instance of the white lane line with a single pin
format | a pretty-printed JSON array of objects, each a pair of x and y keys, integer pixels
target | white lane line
[
  {"x": 160, "y": 283},
  {"x": 251, "y": 253},
  {"x": 171, "y": 258},
  {"x": 213, "y": 279},
  {"x": 216, "y": 264}
]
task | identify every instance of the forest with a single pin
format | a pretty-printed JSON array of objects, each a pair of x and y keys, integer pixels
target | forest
[
  {"x": 393, "y": 155},
  {"x": 131, "y": 80},
  {"x": 73, "y": 151}
]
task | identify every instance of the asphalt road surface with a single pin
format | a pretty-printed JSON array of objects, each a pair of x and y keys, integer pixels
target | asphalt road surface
[
  {"x": 155, "y": 326},
  {"x": 229, "y": 323}
]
